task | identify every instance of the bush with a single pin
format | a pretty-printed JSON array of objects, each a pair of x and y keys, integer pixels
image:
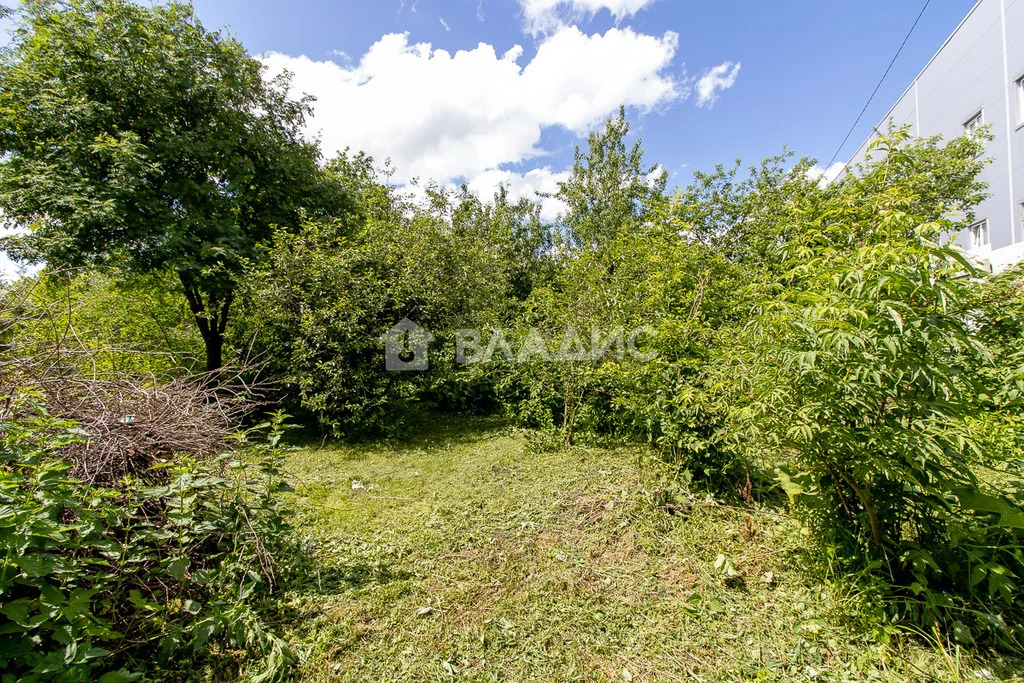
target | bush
[
  {"x": 101, "y": 583},
  {"x": 317, "y": 307},
  {"x": 139, "y": 326},
  {"x": 865, "y": 370}
]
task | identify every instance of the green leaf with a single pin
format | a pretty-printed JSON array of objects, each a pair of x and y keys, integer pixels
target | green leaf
[
  {"x": 36, "y": 564},
  {"x": 178, "y": 567},
  {"x": 18, "y": 611},
  {"x": 894, "y": 314},
  {"x": 792, "y": 488},
  {"x": 119, "y": 676},
  {"x": 1013, "y": 519}
]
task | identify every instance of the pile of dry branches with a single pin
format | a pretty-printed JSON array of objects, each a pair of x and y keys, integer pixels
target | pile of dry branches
[
  {"x": 128, "y": 426},
  {"x": 127, "y": 423}
]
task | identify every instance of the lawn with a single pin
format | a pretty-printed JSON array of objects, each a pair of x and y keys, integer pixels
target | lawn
[{"x": 463, "y": 554}]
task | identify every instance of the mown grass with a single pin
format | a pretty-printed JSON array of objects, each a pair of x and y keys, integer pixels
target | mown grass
[{"x": 462, "y": 555}]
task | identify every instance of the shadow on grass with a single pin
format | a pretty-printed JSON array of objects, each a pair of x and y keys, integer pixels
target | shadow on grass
[
  {"x": 332, "y": 580},
  {"x": 423, "y": 430},
  {"x": 327, "y": 571}
]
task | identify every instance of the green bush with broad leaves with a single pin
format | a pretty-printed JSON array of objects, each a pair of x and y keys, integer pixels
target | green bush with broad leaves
[
  {"x": 862, "y": 370},
  {"x": 148, "y": 579}
]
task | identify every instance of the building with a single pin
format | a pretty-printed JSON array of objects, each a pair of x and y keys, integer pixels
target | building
[{"x": 977, "y": 78}]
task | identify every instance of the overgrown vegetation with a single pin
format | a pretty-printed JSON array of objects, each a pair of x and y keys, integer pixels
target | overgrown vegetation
[
  {"x": 100, "y": 583},
  {"x": 864, "y": 367},
  {"x": 143, "y": 528},
  {"x": 773, "y": 342}
]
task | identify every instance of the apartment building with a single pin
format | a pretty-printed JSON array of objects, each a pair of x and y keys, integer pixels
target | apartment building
[{"x": 976, "y": 79}]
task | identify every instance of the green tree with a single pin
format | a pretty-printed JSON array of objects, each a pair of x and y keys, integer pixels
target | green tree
[
  {"x": 604, "y": 249},
  {"x": 609, "y": 192},
  {"x": 747, "y": 219},
  {"x": 316, "y": 307},
  {"x": 133, "y": 137}
]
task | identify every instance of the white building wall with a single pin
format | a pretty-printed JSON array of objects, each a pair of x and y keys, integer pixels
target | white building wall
[{"x": 977, "y": 70}]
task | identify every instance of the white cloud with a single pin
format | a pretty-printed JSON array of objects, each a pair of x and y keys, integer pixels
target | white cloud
[
  {"x": 543, "y": 16},
  {"x": 523, "y": 185},
  {"x": 655, "y": 175},
  {"x": 445, "y": 24},
  {"x": 714, "y": 80},
  {"x": 10, "y": 270},
  {"x": 825, "y": 176},
  {"x": 442, "y": 116}
]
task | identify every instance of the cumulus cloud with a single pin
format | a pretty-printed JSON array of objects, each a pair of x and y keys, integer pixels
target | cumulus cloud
[
  {"x": 543, "y": 16},
  {"x": 523, "y": 185},
  {"x": 714, "y": 80},
  {"x": 825, "y": 176},
  {"x": 442, "y": 116}
]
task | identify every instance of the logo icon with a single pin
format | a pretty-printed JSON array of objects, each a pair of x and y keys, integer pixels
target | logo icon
[{"x": 405, "y": 347}]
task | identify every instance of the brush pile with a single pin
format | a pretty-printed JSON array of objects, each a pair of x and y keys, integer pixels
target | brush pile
[{"x": 127, "y": 423}]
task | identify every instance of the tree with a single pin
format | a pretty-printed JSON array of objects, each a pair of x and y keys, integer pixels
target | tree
[
  {"x": 133, "y": 137},
  {"x": 600, "y": 251},
  {"x": 747, "y": 218},
  {"x": 609, "y": 192},
  {"x": 315, "y": 309}
]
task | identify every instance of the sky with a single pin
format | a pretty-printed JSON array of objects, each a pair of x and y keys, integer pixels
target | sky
[
  {"x": 484, "y": 92},
  {"x": 489, "y": 91}
]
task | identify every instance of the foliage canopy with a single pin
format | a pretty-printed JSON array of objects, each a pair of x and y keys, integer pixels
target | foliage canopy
[{"x": 134, "y": 137}]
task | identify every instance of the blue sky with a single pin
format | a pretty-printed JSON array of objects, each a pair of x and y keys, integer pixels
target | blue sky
[
  {"x": 499, "y": 91},
  {"x": 805, "y": 69}
]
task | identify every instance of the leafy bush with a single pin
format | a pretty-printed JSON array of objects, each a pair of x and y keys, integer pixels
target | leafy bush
[
  {"x": 864, "y": 367},
  {"x": 138, "y": 326},
  {"x": 628, "y": 258},
  {"x": 318, "y": 307},
  {"x": 997, "y": 311},
  {"x": 106, "y": 583}
]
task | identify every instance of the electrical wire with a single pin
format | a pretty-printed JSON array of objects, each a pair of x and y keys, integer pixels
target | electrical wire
[{"x": 880, "y": 81}]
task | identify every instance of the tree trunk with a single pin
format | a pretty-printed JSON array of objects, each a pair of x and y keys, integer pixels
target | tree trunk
[
  {"x": 214, "y": 352},
  {"x": 211, "y": 315}
]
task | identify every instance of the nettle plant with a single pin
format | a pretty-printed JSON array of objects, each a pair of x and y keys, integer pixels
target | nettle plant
[
  {"x": 158, "y": 577},
  {"x": 865, "y": 369}
]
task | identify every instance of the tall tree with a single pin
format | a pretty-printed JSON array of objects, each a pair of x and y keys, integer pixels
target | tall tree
[
  {"x": 134, "y": 137},
  {"x": 609, "y": 192}
]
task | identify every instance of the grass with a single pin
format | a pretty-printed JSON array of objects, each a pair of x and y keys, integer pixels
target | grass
[{"x": 462, "y": 555}]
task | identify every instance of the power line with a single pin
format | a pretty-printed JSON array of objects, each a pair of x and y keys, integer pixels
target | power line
[{"x": 880, "y": 81}]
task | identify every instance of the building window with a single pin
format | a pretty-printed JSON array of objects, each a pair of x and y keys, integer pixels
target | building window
[
  {"x": 1019, "y": 88},
  {"x": 979, "y": 234},
  {"x": 972, "y": 124}
]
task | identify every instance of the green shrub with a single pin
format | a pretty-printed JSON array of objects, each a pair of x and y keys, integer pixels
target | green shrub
[
  {"x": 865, "y": 370},
  {"x": 139, "y": 326},
  {"x": 316, "y": 308},
  {"x": 153, "y": 576}
]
